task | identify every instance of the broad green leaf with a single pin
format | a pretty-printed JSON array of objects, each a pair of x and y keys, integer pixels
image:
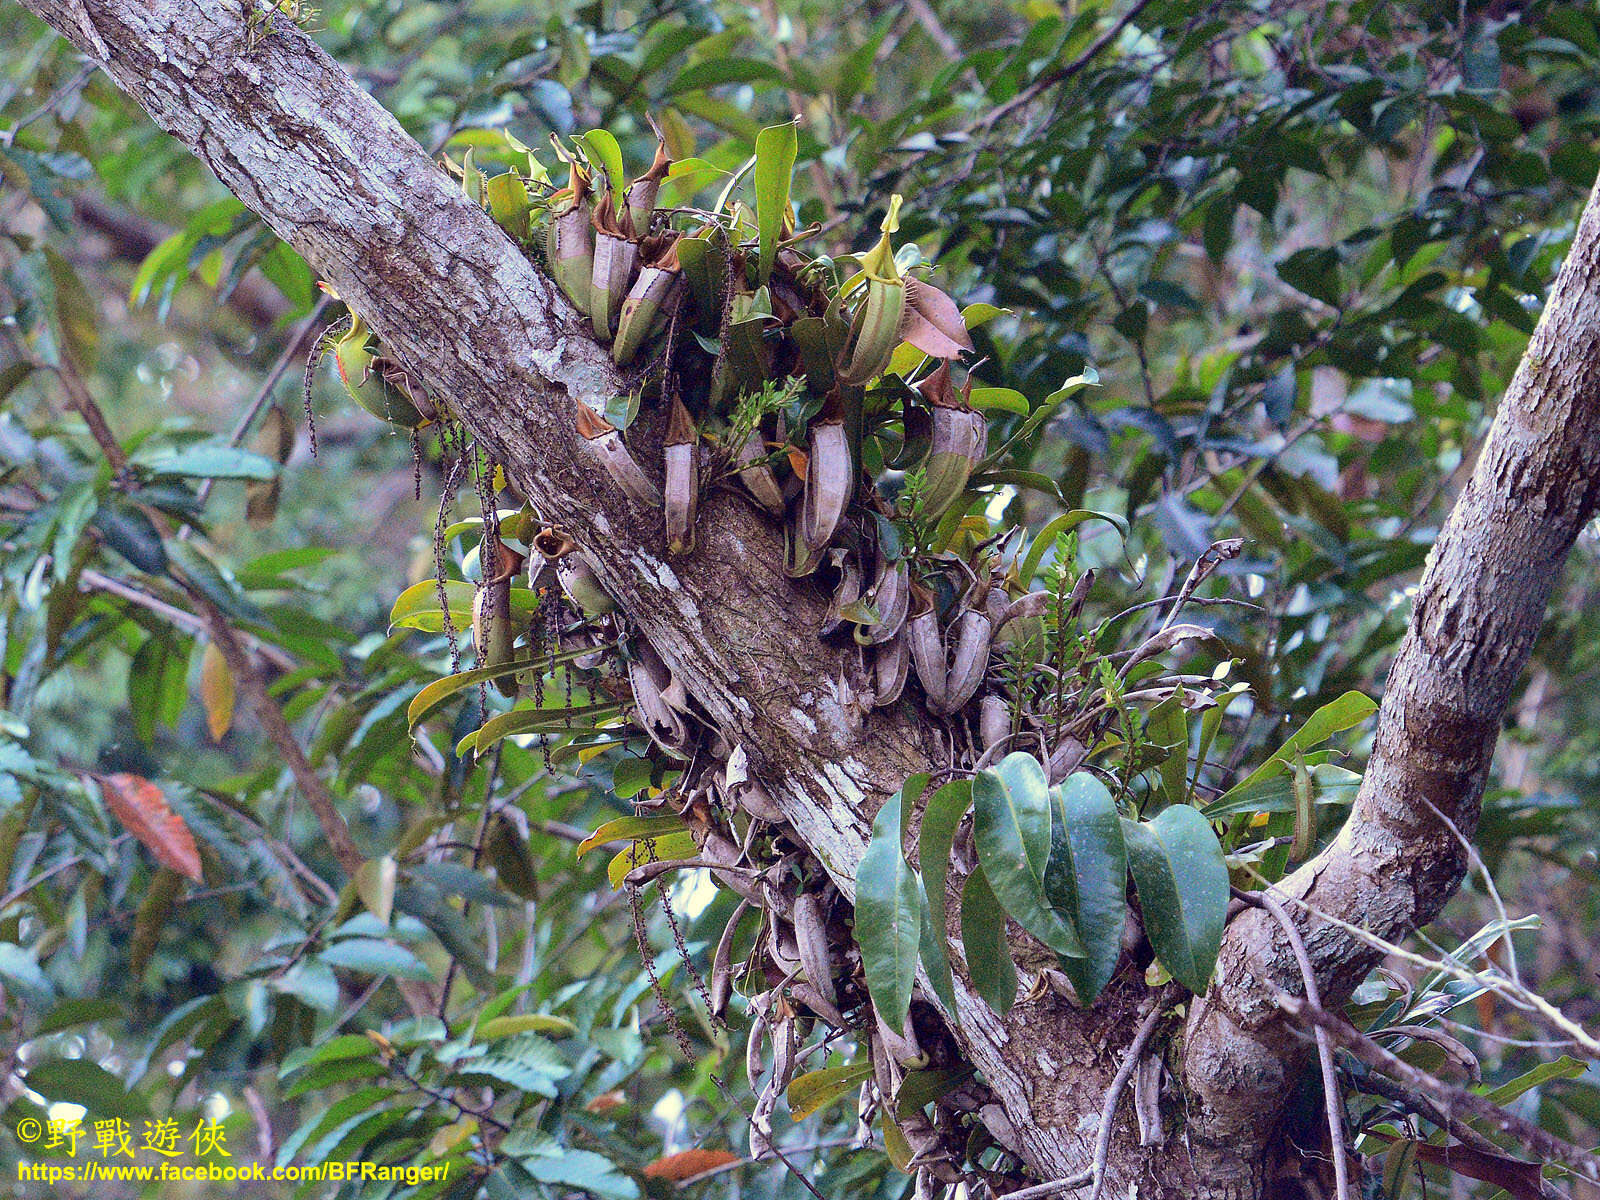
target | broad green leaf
[
  {"x": 584, "y": 1170},
  {"x": 78, "y": 1012},
  {"x": 816, "y": 1090},
  {"x": 939, "y": 820},
  {"x": 1011, "y": 827},
  {"x": 418, "y": 606},
  {"x": 1178, "y": 867},
  {"x": 888, "y": 920},
  {"x": 375, "y": 880},
  {"x": 373, "y": 957},
  {"x": 19, "y": 970},
  {"x": 983, "y": 941},
  {"x": 206, "y": 460},
  {"x": 546, "y": 1023},
  {"x": 1045, "y": 411},
  {"x": 1087, "y": 878},
  {"x": 1330, "y": 784},
  {"x": 604, "y": 152},
  {"x": 1348, "y": 710},
  {"x": 1167, "y": 729},
  {"x": 921, "y": 1088},
  {"x": 1000, "y": 399},
  {"x": 775, "y": 151},
  {"x": 79, "y": 1081}
]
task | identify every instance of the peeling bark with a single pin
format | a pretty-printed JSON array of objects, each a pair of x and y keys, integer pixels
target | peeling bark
[{"x": 291, "y": 134}]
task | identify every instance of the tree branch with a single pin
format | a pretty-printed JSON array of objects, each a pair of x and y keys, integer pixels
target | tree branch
[{"x": 1400, "y": 856}]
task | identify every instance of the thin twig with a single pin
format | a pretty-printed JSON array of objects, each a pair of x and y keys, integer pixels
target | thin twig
[
  {"x": 1450, "y": 1097},
  {"x": 1119, "y": 1084},
  {"x": 79, "y": 78},
  {"x": 1331, "y": 1101}
]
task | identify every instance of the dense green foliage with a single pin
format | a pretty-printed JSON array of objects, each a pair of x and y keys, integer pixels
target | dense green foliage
[{"x": 1290, "y": 257}]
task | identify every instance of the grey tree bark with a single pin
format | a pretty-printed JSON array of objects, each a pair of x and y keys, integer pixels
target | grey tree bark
[{"x": 288, "y": 131}]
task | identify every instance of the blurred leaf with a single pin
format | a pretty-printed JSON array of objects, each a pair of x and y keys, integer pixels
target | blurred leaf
[{"x": 141, "y": 807}]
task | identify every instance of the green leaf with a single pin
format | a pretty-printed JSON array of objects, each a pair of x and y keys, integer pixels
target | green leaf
[
  {"x": 999, "y": 398},
  {"x": 1011, "y": 827},
  {"x": 1348, "y": 710},
  {"x": 816, "y": 1090},
  {"x": 983, "y": 941},
  {"x": 1046, "y": 537},
  {"x": 206, "y": 460},
  {"x": 436, "y": 694},
  {"x": 583, "y": 1169},
  {"x": 888, "y": 921},
  {"x": 1167, "y": 729},
  {"x": 79, "y": 1081},
  {"x": 943, "y": 813},
  {"x": 1565, "y": 1067},
  {"x": 1330, "y": 784},
  {"x": 418, "y": 606},
  {"x": 582, "y": 718},
  {"x": 499, "y": 1027},
  {"x": 20, "y": 972},
  {"x": 79, "y": 1012},
  {"x": 603, "y": 150},
  {"x": 76, "y": 316},
  {"x": 1182, "y": 879},
  {"x": 920, "y": 1088},
  {"x": 720, "y": 70},
  {"x": 775, "y": 151},
  {"x": 630, "y": 827},
  {"x": 1087, "y": 878},
  {"x": 373, "y": 957}
]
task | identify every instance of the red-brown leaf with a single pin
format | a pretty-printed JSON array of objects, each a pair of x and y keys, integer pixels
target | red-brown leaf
[
  {"x": 689, "y": 1163},
  {"x": 140, "y": 806}
]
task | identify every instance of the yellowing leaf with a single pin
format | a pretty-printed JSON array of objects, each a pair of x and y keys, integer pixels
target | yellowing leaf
[
  {"x": 216, "y": 691},
  {"x": 375, "y": 880},
  {"x": 669, "y": 847},
  {"x": 141, "y": 807}
]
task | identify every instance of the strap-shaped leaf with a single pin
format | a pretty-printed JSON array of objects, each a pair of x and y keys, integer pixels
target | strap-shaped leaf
[
  {"x": 1011, "y": 807},
  {"x": 666, "y": 847},
  {"x": 983, "y": 941},
  {"x": 775, "y": 151},
  {"x": 630, "y": 827},
  {"x": 939, "y": 820},
  {"x": 578, "y": 719},
  {"x": 889, "y": 916},
  {"x": 429, "y": 699},
  {"x": 1182, "y": 879},
  {"x": 816, "y": 1089},
  {"x": 1087, "y": 878},
  {"x": 418, "y": 606},
  {"x": 1348, "y": 710}
]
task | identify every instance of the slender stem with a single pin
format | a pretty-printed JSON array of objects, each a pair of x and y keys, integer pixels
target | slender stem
[{"x": 1330, "y": 1080}]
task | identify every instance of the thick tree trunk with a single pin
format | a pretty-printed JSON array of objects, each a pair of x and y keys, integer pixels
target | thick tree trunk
[{"x": 288, "y": 131}]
